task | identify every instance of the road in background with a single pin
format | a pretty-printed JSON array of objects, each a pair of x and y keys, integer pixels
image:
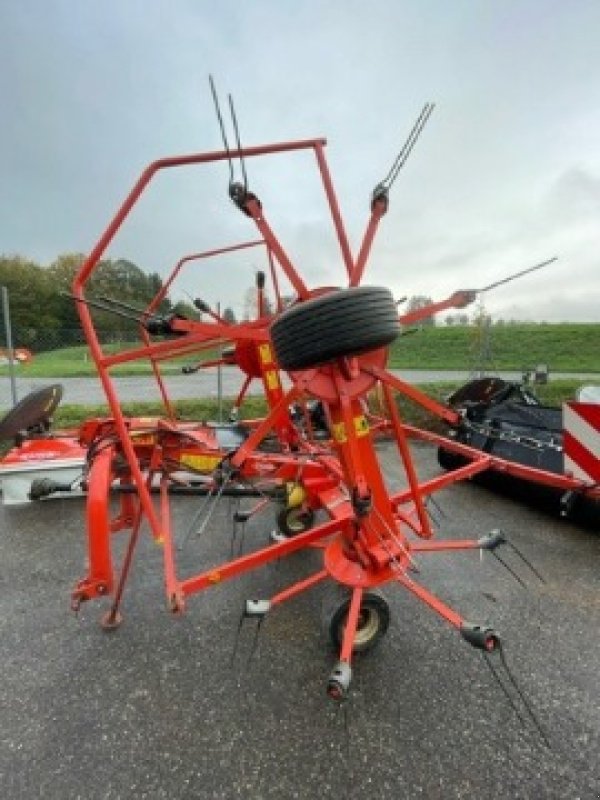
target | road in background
[{"x": 204, "y": 384}]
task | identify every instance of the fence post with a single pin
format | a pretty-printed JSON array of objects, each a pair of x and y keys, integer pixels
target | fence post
[
  {"x": 219, "y": 380},
  {"x": 9, "y": 345}
]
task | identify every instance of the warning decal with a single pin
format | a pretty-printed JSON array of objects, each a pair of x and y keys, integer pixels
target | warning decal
[{"x": 581, "y": 442}]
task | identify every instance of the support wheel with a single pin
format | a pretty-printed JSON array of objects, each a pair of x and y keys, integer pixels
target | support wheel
[
  {"x": 345, "y": 322},
  {"x": 373, "y": 622},
  {"x": 450, "y": 461},
  {"x": 292, "y": 521}
]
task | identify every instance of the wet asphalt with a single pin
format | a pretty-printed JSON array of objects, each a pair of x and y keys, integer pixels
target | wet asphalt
[{"x": 160, "y": 709}]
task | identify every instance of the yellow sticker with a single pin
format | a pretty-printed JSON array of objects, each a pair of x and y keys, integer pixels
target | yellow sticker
[
  {"x": 265, "y": 353},
  {"x": 338, "y": 431},
  {"x": 361, "y": 426},
  {"x": 199, "y": 463},
  {"x": 272, "y": 379}
]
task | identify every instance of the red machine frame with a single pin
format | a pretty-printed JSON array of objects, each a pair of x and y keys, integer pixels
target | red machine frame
[{"x": 372, "y": 536}]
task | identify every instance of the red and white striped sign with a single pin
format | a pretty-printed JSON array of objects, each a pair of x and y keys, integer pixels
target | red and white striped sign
[{"x": 581, "y": 441}]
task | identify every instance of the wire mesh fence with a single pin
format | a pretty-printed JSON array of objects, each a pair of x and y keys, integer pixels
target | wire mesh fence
[{"x": 42, "y": 340}]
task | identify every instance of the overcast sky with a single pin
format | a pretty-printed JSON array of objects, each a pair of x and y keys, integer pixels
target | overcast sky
[{"x": 505, "y": 175}]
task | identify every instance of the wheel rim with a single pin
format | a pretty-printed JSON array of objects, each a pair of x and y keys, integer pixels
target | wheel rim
[
  {"x": 296, "y": 520},
  {"x": 368, "y": 625}
]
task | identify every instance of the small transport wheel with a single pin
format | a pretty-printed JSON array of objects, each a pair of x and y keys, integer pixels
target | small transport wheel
[
  {"x": 373, "y": 622},
  {"x": 295, "y": 520},
  {"x": 344, "y": 322},
  {"x": 450, "y": 461}
]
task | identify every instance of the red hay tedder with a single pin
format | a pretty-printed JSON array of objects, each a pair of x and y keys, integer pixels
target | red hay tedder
[{"x": 333, "y": 344}]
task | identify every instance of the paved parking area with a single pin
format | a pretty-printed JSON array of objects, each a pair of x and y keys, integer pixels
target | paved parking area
[{"x": 158, "y": 709}]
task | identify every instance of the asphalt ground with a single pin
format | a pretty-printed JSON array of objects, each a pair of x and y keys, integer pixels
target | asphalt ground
[{"x": 160, "y": 709}]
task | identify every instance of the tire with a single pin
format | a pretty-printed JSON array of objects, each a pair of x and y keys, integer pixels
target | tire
[
  {"x": 344, "y": 322},
  {"x": 373, "y": 622},
  {"x": 292, "y": 521},
  {"x": 450, "y": 461}
]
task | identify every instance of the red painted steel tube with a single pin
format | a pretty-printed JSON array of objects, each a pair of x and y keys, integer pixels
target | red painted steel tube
[
  {"x": 172, "y": 585},
  {"x": 255, "y": 211},
  {"x": 126, "y": 565},
  {"x": 448, "y": 544},
  {"x": 275, "y": 281},
  {"x": 253, "y": 560},
  {"x": 407, "y": 462},
  {"x": 299, "y": 587},
  {"x": 431, "y": 600},
  {"x": 492, "y": 462},
  {"x": 456, "y": 300},
  {"x": 242, "y": 392},
  {"x": 222, "y": 333},
  {"x": 439, "y": 410},
  {"x": 92, "y": 260},
  {"x": 162, "y": 293},
  {"x": 446, "y": 479},
  {"x": 335, "y": 209},
  {"x": 167, "y": 163},
  {"x": 379, "y": 209},
  {"x": 265, "y": 426},
  {"x": 100, "y": 577},
  {"x": 351, "y": 625}
]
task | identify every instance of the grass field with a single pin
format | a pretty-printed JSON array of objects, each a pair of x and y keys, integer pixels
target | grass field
[
  {"x": 565, "y": 348},
  {"x": 553, "y": 393},
  {"x": 76, "y": 362}
]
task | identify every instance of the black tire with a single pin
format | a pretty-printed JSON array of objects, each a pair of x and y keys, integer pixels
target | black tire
[
  {"x": 292, "y": 521},
  {"x": 373, "y": 622},
  {"x": 450, "y": 461},
  {"x": 345, "y": 322}
]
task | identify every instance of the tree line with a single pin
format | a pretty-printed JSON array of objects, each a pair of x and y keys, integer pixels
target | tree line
[
  {"x": 44, "y": 316},
  {"x": 42, "y": 313}
]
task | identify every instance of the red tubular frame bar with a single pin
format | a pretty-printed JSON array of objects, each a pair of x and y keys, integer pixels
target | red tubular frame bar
[
  {"x": 103, "y": 362},
  {"x": 162, "y": 293},
  {"x": 483, "y": 461}
]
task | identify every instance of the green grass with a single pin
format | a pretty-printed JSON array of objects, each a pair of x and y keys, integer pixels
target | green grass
[
  {"x": 70, "y": 415},
  {"x": 66, "y": 416},
  {"x": 76, "y": 362},
  {"x": 554, "y": 393},
  {"x": 565, "y": 348}
]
